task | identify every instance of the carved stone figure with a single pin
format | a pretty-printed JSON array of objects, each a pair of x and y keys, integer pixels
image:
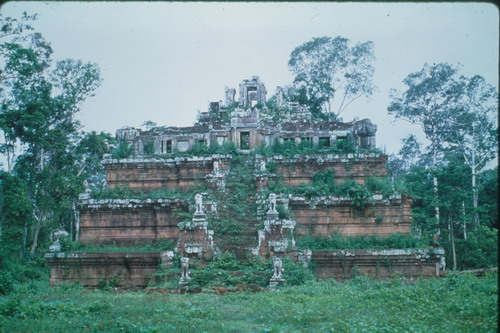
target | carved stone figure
[
  {"x": 59, "y": 233},
  {"x": 198, "y": 198},
  {"x": 272, "y": 203},
  {"x": 279, "y": 96},
  {"x": 230, "y": 93},
  {"x": 55, "y": 247},
  {"x": 278, "y": 269},
  {"x": 262, "y": 166},
  {"x": 185, "y": 268},
  {"x": 166, "y": 258},
  {"x": 87, "y": 194},
  {"x": 442, "y": 264},
  {"x": 216, "y": 168},
  {"x": 56, "y": 236}
]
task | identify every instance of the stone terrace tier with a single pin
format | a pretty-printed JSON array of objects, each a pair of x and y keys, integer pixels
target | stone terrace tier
[
  {"x": 127, "y": 269},
  {"x": 322, "y": 216},
  {"x": 410, "y": 263},
  {"x": 149, "y": 174},
  {"x": 302, "y": 168},
  {"x": 129, "y": 221}
]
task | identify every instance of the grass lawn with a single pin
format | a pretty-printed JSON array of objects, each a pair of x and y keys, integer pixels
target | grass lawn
[{"x": 458, "y": 303}]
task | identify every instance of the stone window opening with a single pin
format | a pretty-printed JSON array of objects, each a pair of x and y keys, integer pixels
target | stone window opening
[
  {"x": 168, "y": 146},
  {"x": 324, "y": 142},
  {"x": 364, "y": 142},
  {"x": 245, "y": 140}
]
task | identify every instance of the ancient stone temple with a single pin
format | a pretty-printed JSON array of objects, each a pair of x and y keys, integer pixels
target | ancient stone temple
[
  {"x": 248, "y": 124},
  {"x": 214, "y": 186}
]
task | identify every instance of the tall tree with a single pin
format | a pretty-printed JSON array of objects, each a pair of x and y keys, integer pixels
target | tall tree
[
  {"x": 430, "y": 100},
  {"x": 38, "y": 105},
  {"x": 330, "y": 74},
  {"x": 476, "y": 136},
  {"x": 18, "y": 30}
]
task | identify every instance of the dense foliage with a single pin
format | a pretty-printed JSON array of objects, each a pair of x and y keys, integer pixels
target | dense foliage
[
  {"x": 452, "y": 188},
  {"x": 48, "y": 156}
]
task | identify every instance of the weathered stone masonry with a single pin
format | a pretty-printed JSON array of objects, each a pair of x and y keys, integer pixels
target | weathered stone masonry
[
  {"x": 248, "y": 125},
  {"x": 324, "y": 216},
  {"x": 130, "y": 221},
  {"x": 148, "y": 174}
]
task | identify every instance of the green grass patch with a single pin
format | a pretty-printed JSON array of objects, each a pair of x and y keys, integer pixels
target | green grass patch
[{"x": 453, "y": 304}]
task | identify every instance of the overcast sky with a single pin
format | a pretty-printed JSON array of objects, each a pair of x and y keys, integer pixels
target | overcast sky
[{"x": 163, "y": 61}]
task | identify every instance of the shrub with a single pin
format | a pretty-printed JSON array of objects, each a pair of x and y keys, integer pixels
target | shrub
[
  {"x": 381, "y": 185},
  {"x": 123, "y": 150},
  {"x": 295, "y": 273},
  {"x": 226, "y": 270},
  {"x": 6, "y": 282},
  {"x": 149, "y": 147},
  {"x": 480, "y": 250},
  {"x": 359, "y": 194}
]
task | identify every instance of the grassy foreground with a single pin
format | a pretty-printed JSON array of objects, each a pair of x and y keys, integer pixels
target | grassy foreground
[{"x": 452, "y": 304}]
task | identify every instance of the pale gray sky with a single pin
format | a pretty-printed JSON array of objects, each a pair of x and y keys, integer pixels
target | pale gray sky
[{"x": 163, "y": 61}]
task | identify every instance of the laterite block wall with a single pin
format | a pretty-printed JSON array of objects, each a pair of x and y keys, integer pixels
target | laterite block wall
[
  {"x": 359, "y": 167},
  {"x": 327, "y": 215},
  {"x": 411, "y": 263},
  {"x": 127, "y": 221},
  {"x": 145, "y": 175},
  {"x": 127, "y": 269}
]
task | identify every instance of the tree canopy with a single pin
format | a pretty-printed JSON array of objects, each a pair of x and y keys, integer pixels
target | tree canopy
[
  {"x": 42, "y": 140},
  {"x": 330, "y": 74},
  {"x": 458, "y": 117}
]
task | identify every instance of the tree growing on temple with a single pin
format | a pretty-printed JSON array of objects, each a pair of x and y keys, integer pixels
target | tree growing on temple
[{"x": 330, "y": 74}]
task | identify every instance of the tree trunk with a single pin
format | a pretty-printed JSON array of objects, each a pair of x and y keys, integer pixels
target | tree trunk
[
  {"x": 77, "y": 222},
  {"x": 474, "y": 190},
  {"x": 1, "y": 209},
  {"x": 435, "y": 187},
  {"x": 451, "y": 237},
  {"x": 464, "y": 220},
  {"x": 11, "y": 153},
  {"x": 24, "y": 241},
  {"x": 35, "y": 236}
]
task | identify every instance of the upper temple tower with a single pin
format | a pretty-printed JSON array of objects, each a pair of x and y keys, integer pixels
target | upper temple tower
[{"x": 252, "y": 92}]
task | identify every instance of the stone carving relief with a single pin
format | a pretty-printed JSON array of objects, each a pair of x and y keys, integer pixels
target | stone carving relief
[
  {"x": 272, "y": 203},
  {"x": 198, "y": 198}
]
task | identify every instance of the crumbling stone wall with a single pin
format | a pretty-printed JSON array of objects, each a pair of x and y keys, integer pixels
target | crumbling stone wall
[
  {"x": 120, "y": 269},
  {"x": 326, "y": 215},
  {"x": 410, "y": 263},
  {"x": 128, "y": 221},
  {"x": 135, "y": 269},
  {"x": 301, "y": 170},
  {"x": 144, "y": 175}
]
